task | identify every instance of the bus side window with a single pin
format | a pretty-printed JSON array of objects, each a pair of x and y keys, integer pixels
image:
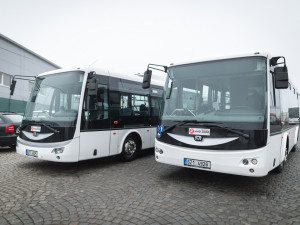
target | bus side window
[
  {"x": 102, "y": 102},
  {"x": 140, "y": 105},
  {"x": 155, "y": 103},
  {"x": 126, "y": 109},
  {"x": 95, "y": 110}
]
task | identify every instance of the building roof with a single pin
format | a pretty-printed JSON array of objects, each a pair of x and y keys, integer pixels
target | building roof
[{"x": 28, "y": 50}]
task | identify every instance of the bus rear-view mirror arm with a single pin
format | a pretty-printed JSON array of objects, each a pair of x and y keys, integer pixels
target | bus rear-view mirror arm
[
  {"x": 19, "y": 77},
  {"x": 148, "y": 74}
]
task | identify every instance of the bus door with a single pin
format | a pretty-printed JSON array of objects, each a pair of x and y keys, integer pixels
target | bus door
[{"x": 95, "y": 132}]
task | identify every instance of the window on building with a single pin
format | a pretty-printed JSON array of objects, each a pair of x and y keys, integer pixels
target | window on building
[{"x": 5, "y": 79}]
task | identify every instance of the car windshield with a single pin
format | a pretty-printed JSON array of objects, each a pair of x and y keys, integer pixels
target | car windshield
[
  {"x": 55, "y": 98},
  {"x": 15, "y": 118},
  {"x": 226, "y": 91}
]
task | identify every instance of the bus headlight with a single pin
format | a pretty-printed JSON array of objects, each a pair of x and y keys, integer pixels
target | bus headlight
[
  {"x": 245, "y": 161},
  {"x": 254, "y": 161},
  {"x": 58, "y": 150}
]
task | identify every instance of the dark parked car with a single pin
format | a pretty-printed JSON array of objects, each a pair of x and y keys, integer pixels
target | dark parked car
[{"x": 9, "y": 124}]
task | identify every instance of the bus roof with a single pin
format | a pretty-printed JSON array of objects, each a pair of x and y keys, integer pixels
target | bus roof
[
  {"x": 133, "y": 77},
  {"x": 221, "y": 58}
]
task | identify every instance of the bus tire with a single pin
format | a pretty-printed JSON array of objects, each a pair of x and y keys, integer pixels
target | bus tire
[
  {"x": 294, "y": 148},
  {"x": 279, "y": 168},
  {"x": 130, "y": 149}
]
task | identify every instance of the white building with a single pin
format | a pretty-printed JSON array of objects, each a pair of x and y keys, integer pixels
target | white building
[{"x": 15, "y": 59}]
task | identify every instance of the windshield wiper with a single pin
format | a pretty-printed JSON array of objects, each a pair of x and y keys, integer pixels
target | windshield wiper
[
  {"x": 212, "y": 124},
  {"x": 48, "y": 125},
  {"x": 207, "y": 124},
  {"x": 180, "y": 123}
]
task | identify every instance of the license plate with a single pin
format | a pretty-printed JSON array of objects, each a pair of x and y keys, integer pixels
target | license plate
[
  {"x": 197, "y": 163},
  {"x": 32, "y": 153}
]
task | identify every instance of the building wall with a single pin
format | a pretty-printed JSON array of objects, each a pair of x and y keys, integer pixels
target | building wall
[{"x": 17, "y": 60}]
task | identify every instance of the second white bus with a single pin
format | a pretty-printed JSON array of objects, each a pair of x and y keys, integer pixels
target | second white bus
[
  {"x": 81, "y": 114},
  {"x": 231, "y": 115}
]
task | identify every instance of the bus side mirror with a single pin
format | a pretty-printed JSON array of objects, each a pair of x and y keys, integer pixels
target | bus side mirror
[
  {"x": 281, "y": 77},
  {"x": 12, "y": 87},
  {"x": 147, "y": 79},
  {"x": 92, "y": 86}
]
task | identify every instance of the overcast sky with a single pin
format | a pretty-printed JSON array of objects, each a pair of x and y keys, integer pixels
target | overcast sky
[{"x": 127, "y": 35}]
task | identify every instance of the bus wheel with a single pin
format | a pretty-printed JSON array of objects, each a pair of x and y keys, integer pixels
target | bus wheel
[
  {"x": 130, "y": 149},
  {"x": 279, "y": 168}
]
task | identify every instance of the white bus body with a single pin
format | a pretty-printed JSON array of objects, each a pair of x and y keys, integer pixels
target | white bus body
[
  {"x": 75, "y": 115},
  {"x": 225, "y": 115}
]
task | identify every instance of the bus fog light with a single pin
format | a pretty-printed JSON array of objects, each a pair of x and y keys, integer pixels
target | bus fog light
[
  {"x": 58, "y": 150},
  {"x": 254, "y": 161},
  {"x": 245, "y": 161},
  {"x": 251, "y": 170},
  {"x": 158, "y": 150}
]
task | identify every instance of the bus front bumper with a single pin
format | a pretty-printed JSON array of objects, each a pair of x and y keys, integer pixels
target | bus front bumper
[
  {"x": 223, "y": 161},
  {"x": 57, "y": 152}
]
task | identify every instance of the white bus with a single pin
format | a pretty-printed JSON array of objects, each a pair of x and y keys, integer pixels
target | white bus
[
  {"x": 82, "y": 114},
  {"x": 228, "y": 115}
]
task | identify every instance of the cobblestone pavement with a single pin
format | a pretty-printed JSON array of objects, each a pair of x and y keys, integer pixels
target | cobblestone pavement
[{"x": 106, "y": 191}]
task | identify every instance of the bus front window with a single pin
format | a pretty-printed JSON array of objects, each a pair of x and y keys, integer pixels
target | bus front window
[
  {"x": 55, "y": 98},
  {"x": 229, "y": 91}
]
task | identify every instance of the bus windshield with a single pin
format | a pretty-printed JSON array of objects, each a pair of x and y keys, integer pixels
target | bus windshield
[
  {"x": 55, "y": 98},
  {"x": 231, "y": 91}
]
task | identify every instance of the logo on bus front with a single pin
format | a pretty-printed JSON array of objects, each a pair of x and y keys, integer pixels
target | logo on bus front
[
  {"x": 199, "y": 131},
  {"x": 198, "y": 138}
]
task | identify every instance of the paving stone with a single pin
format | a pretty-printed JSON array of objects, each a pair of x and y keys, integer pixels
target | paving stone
[{"x": 106, "y": 191}]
